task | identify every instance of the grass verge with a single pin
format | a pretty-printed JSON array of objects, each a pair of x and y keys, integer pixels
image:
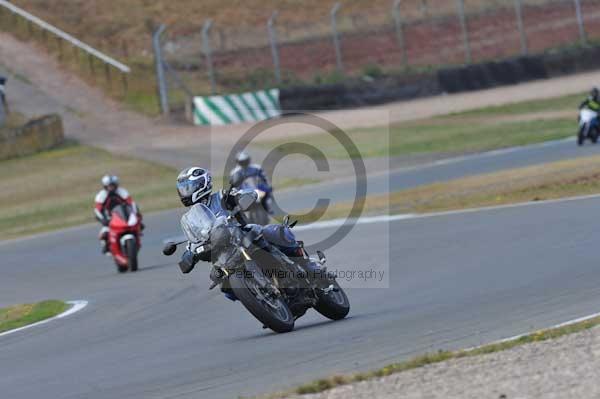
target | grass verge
[
  {"x": 324, "y": 384},
  {"x": 554, "y": 180},
  {"x": 56, "y": 188},
  {"x": 21, "y": 315},
  {"x": 479, "y": 130}
]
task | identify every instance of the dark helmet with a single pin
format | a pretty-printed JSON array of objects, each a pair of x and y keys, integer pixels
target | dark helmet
[
  {"x": 243, "y": 159},
  {"x": 595, "y": 93},
  {"x": 110, "y": 182},
  {"x": 193, "y": 185}
]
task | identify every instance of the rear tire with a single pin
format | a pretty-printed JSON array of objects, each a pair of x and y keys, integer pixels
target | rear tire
[
  {"x": 131, "y": 252},
  {"x": 334, "y": 305},
  {"x": 280, "y": 321}
]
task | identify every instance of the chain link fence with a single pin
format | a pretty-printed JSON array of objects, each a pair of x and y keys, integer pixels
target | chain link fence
[{"x": 409, "y": 35}]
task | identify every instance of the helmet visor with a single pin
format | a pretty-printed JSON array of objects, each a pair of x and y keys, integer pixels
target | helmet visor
[{"x": 189, "y": 187}]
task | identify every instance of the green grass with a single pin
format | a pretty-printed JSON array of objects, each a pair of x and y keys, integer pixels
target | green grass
[
  {"x": 56, "y": 189},
  {"x": 483, "y": 129},
  {"x": 21, "y": 315},
  {"x": 324, "y": 384},
  {"x": 568, "y": 178},
  {"x": 442, "y": 136},
  {"x": 569, "y": 102}
]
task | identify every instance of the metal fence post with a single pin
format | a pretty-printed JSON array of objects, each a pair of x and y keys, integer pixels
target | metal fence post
[
  {"x": 336, "y": 37},
  {"x": 582, "y": 34},
  {"x": 399, "y": 30},
  {"x": 465, "y": 31},
  {"x": 3, "y": 110},
  {"x": 207, "y": 50},
  {"x": 522, "y": 33},
  {"x": 160, "y": 70},
  {"x": 274, "y": 49}
]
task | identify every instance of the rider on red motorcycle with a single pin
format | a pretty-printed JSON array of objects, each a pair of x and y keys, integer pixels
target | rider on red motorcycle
[{"x": 110, "y": 196}]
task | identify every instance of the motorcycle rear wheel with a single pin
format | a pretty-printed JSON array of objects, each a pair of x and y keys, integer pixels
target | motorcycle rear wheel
[{"x": 272, "y": 312}]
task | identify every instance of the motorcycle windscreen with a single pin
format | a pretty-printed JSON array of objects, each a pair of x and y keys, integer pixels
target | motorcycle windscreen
[
  {"x": 122, "y": 211},
  {"x": 197, "y": 223}
]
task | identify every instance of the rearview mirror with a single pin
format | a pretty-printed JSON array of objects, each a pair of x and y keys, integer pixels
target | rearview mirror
[
  {"x": 245, "y": 199},
  {"x": 169, "y": 249}
]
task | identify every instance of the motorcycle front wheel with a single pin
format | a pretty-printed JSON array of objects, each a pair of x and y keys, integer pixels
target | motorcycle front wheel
[
  {"x": 335, "y": 304},
  {"x": 269, "y": 309},
  {"x": 131, "y": 251},
  {"x": 581, "y": 136}
]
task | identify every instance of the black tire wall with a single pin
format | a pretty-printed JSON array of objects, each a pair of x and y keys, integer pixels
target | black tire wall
[{"x": 358, "y": 93}]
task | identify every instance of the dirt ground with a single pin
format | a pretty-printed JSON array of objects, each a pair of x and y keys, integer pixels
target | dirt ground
[
  {"x": 37, "y": 85},
  {"x": 566, "y": 367}
]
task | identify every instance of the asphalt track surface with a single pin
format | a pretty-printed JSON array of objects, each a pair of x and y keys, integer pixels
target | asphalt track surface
[{"x": 455, "y": 280}]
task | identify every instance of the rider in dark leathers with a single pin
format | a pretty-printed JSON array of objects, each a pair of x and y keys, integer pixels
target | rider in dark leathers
[
  {"x": 246, "y": 169},
  {"x": 592, "y": 102}
]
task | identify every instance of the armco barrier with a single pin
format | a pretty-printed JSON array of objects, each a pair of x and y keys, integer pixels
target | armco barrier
[
  {"x": 35, "y": 136},
  {"x": 236, "y": 108}
]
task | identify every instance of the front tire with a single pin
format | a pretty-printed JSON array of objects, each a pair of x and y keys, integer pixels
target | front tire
[
  {"x": 271, "y": 312},
  {"x": 594, "y": 135},
  {"x": 581, "y": 136},
  {"x": 335, "y": 304},
  {"x": 131, "y": 251}
]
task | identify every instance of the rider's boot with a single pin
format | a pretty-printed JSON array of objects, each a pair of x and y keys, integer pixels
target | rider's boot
[{"x": 103, "y": 237}]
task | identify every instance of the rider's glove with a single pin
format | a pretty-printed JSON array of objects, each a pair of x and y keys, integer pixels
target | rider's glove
[{"x": 187, "y": 262}]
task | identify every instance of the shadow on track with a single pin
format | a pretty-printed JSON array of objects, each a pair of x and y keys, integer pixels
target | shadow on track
[{"x": 305, "y": 327}]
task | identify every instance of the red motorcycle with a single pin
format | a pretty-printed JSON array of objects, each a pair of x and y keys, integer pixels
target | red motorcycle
[{"x": 125, "y": 230}]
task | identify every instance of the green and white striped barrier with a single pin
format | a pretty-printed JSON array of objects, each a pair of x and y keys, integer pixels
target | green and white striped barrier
[{"x": 236, "y": 108}]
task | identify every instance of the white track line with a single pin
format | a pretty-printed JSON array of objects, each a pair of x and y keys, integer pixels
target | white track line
[
  {"x": 516, "y": 337},
  {"x": 407, "y": 216},
  {"x": 76, "y": 307}
]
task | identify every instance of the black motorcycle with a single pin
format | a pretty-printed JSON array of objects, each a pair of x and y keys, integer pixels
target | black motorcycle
[{"x": 264, "y": 267}]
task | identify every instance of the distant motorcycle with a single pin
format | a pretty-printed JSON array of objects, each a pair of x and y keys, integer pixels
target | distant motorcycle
[
  {"x": 124, "y": 237},
  {"x": 257, "y": 213},
  {"x": 265, "y": 268},
  {"x": 588, "y": 128}
]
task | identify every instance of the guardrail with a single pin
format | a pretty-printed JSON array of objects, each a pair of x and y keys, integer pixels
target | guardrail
[{"x": 92, "y": 52}]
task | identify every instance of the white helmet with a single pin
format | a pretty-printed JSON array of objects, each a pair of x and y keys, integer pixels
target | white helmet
[
  {"x": 193, "y": 185},
  {"x": 108, "y": 180}
]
